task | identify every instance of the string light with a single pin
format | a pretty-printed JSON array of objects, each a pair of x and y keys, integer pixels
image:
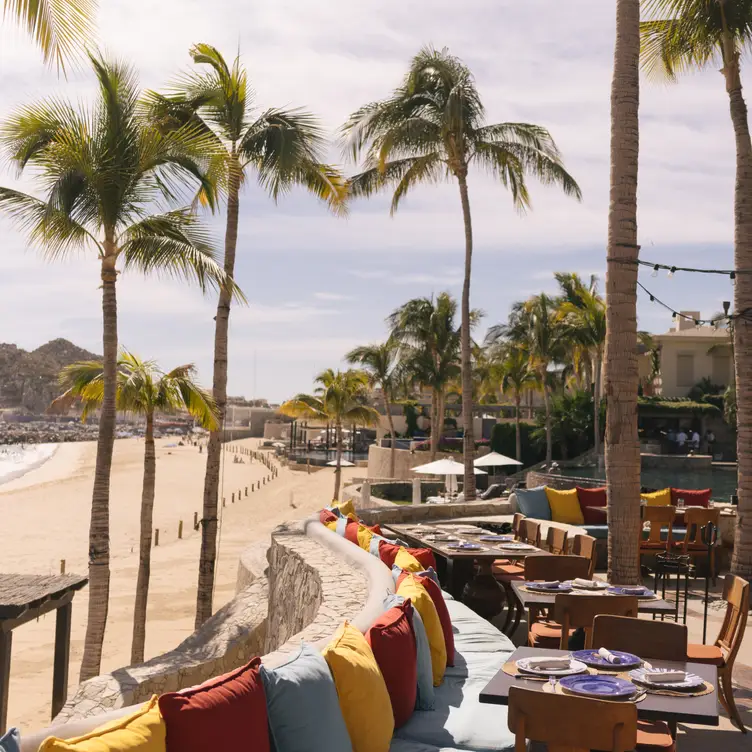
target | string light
[
  {"x": 656, "y": 267},
  {"x": 655, "y": 271},
  {"x": 671, "y": 272},
  {"x": 746, "y": 314}
]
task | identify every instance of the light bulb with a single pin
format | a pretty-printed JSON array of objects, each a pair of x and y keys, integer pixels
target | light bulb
[
  {"x": 655, "y": 271},
  {"x": 671, "y": 272}
]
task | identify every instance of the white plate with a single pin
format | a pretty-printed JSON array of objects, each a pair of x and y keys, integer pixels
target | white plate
[
  {"x": 575, "y": 667},
  {"x": 596, "y": 588},
  {"x": 691, "y": 680},
  {"x": 467, "y": 529},
  {"x": 516, "y": 547}
]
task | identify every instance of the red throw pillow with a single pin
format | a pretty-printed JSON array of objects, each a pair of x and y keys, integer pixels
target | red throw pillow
[
  {"x": 325, "y": 515},
  {"x": 376, "y": 529},
  {"x": 351, "y": 532},
  {"x": 424, "y": 556},
  {"x": 692, "y": 497},
  {"x": 592, "y": 497},
  {"x": 594, "y": 516},
  {"x": 388, "y": 552},
  {"x": 218, "y": 714},
  {"x": 393, "y": 643},
  {"x": 441, "y": 609}
]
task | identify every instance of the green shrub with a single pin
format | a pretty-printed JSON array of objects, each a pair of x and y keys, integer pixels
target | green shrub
[{"x": 503, "y": 441}]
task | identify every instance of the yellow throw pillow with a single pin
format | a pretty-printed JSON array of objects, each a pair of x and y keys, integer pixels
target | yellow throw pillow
[
  {"x": 143, "y": 731},
  {"x": 364, "y": 537},
  {"x": 405, "y": 560},
  {"x": 363, "y": 696},
  {"x": 658, "y": 498},
  {"x": 565, "y": 506},
  {"x": 346, "y": 507},
  {"x": 421, "y": 600}
]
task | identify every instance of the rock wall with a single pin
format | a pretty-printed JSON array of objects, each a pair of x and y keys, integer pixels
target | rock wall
[
  {"x": 417, "y": 513},
  {"x": 404, "y": 461}
]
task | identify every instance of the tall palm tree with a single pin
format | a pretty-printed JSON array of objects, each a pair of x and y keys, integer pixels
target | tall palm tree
[
  {"x": 340, "y": 398},
  {"x": 432, "y": 128},
  {"x": 583, "y": 313},
  {"x": 516, "y": 377},
  {"x": 59, "y": 27},
  {"x": 103, "y": 171},
  {"x": 621, "y": 372},
  {"x": 283, "y": 148},
  {"x": 142, "y": 389},
  {"x": 429, "y": 340},
  {"x": 381, "y": 364},
  {"x": 681, "y": 35}
]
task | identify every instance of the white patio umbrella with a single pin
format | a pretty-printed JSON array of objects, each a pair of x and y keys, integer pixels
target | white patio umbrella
[
  {"x": 450, "y": 468},
  {"x": 495, "y": 460},
  {"x": 342, "y": 463}
]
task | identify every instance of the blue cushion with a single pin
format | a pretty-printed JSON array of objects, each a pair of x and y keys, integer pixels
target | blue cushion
[
  {"x": 533, "y": 502},
  {"x": 303, "y": 706},
  {"x": 10, "y": 741},
  {"x": 341, "y": 525},
  {"x": 599, "y": 532},
  {"x": 425, "y": 697}
]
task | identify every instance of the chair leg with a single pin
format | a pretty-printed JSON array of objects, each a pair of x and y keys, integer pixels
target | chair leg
[
  {"x": 511, "y": 605},
  {"x": 727, "y": 698},
  {"x": 517, "y": 618}
]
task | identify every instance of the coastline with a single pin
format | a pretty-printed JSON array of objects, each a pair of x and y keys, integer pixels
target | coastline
[{"x": 33, "y": 464}]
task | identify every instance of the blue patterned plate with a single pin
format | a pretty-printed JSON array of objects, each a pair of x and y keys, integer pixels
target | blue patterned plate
[
  {"x": 644, "y": 595},
  {"x": 544, "y": 587},
  {"x": 496, "y": 538},
  {"x": 591, "y": 658},
  {"x": 466, "y": 547},
  {"x": 598, "y": 686},
  {"x": 690, "y": 680}
]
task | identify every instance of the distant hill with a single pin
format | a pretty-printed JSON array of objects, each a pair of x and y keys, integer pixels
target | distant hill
[{"x": 28, "y": 380}]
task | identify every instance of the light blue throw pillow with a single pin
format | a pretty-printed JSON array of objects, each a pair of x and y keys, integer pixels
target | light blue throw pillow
[
  {"x": 341, "y": 525},
  {"x": 10, "y": 741},
  {"x": 533, "y": 502},
  {"x": 303, "y": 706},
  {"x": 430, "y": 573},
  {"x": 426, "y": 697}
]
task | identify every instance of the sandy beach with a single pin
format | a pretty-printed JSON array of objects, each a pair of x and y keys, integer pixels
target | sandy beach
[{"x": 45, "y": 517}]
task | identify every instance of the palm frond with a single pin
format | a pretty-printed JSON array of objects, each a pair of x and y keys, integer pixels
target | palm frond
[{"x": 303, "y": 406}]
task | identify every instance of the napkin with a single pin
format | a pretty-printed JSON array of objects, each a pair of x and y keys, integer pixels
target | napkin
[
  {"x": 552, "y": 584},
  {"x": 548, "y": 663},
  {"x": 584, "y": 583},
  {"x": 633, "y": 589},
  {"x": 664, "y": 676},
  {"x": 607, "y": 655}
]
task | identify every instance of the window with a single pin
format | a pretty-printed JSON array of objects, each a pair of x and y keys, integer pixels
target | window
[
  {"x": 685, "y": 370},
  {"x": 721, "y": 369}
]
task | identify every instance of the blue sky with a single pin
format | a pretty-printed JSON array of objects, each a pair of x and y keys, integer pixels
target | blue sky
[{"x": 318, "y": 285}]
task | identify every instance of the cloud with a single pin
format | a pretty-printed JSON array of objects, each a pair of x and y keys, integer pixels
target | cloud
[{"x": 333, "y": 296}]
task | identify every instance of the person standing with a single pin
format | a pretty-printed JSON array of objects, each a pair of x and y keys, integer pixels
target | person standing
[
  {"x": 710, "y": 439},
  {"x": 695, "y": 441},
  {"x": 681, "y": 440}
]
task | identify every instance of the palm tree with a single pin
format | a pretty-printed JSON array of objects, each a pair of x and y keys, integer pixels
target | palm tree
[
  {"x": 517, "y": 378},
  {"x": 142, "y": 389},
  {"x": 340, "y": 399},
  {"x": 284, "y": 148},
  {"x": 621, "y": 372},
  {"x": 432, "y": 128},
  {"x": 583, "y": 313},
  {"x": 381, "y": 364},
  {"x": 103, "y": 170},
  {"x": 59, "y": 27},
  {"x": 429, "y": 350},
  {"x": 681, "y": 35}
]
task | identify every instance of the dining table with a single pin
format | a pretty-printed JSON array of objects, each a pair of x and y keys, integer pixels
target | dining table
[
  {"x": 467, "y": 574},
  {"x": 701, "y": 710}
]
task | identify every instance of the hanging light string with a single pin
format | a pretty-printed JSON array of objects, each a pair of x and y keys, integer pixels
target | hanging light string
[
  {"x": 672, "y": 269},
  {"x": 746, "y": 314}
]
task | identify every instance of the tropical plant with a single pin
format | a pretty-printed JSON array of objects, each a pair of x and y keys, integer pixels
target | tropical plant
[
  {"x": 729, "y": 406},
  {"x": 142, "y": 389},
  {"x": 583, "y": 313},
  {"x": 103, "y": 171},
  {"x": 572, "y": 414},
  {"x": 621, "y": 371},
  {"x": 340, "y": 398},
  {"x": 653, "y": 349},
  {"x": 381, "y": 364},
  {"x": 516, "y": 377},
  {"x": 431, "y": 129},
  {"x": 284, "y": 149},
  {"x": 59, "y": 27},
  {"x": 429, "y": 350}
]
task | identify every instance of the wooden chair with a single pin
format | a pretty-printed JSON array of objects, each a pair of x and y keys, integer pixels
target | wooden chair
[
  {"x": 518, "y": 517},
  {"x": 542, "y": 567},
  {"x": 565, "y": 723},
  {"x": 584, "y": 545},
  {"x": 556, "y": 540},
  {"x": 723, "y": 652},
  {"x": 530, "y": 532},
  {"x": 658, "y": 518},
  {"x": 696, "y": 519}
]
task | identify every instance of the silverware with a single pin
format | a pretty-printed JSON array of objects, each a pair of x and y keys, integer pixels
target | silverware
[{"x": 525, "y": 677}]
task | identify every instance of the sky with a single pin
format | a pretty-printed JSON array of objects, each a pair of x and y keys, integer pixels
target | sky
[{"x": 318, "y": 285}]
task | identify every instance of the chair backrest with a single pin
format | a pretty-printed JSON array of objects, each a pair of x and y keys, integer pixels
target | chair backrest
[
  {"x": 574, "y": 724},
  {"x": 695, "y": 519},
  {"x": 542, "y": 567},
  {"x": 518, "y": 517},
  {"x": 584, "y": 545},
  {"x": 556, "y": 540},
  {"x": 530, "y": 532},
  {"x": 659, "y": 517},
  {"x": 665, "y": 640},
  {"x": 736, "y": 595},
  {"x": 573, "y": 611}
]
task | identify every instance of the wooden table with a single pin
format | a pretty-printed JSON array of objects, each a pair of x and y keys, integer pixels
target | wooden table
[
  {"x": 699, "y": 710},
  {"x": 467, "y": 575}
]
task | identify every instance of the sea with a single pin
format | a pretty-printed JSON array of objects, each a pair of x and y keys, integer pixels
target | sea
[{"x": 18, "y": 459}]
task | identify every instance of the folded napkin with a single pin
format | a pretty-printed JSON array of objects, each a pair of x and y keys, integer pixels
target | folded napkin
[
  {"x": 607, "y": 655},
  {"x": 548, "y": 663},
  {"x": 633, "y": 589},
  {"x": 664, "y": 676},
  {"x": 552, "y": 584}
]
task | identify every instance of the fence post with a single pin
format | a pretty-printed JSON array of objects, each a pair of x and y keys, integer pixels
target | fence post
[
  {"x": 62, "y": 566},
  {"x": 156, "y": 537},
  {"x": 246, "y": 490},
  {"x": 180, "y": 530},
  {"x": 195, "y": 520},
  {"x": 233, "y": 497}
]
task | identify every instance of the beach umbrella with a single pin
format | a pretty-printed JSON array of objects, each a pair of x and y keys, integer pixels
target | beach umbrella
[
  {"x": 495, "y": 460},
  {"x": 343, "y": 463},
  {"x": 444, "y": 467}
]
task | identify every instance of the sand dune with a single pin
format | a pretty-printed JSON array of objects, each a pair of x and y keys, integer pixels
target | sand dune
[{"x": 45, "y": 517}]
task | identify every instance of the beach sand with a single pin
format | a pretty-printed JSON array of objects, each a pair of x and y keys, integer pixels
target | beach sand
[{"x": 45, "y": 516}]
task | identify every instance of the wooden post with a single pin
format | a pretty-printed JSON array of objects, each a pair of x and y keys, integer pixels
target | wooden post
[
  {"x": 62, "y": 658},
  {"x": 223, "y": 501},
  {"x": 6, "y": 643},
  {"x": 195, "y": 520},
  {"x": 232, "y": 498},
  {"x": 240, "y": 494},
  {"x": 62, "y": 566},
  {"x": 180, "y": 530},
  {"x": 246, "y": 490},
  {"x": 309, "y": 467},
  {"x": 156, "y": 537}
]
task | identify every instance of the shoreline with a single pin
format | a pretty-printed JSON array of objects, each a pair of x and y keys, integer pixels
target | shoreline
[{"x": 12, "y": 475}]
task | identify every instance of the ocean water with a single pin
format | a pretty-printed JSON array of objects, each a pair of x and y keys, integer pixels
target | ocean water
[{"x": 17, "y": 459}]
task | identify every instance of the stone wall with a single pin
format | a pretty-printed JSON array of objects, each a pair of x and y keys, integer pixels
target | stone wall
[
  {"x": 397, "y": 513},
  {"x": 562, "y": 482},
  {"x": 404, "y": 461}
]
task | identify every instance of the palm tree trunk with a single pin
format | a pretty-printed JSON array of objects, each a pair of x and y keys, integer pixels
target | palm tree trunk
[
  {"x": 338, "y": 468},
  {"x": 144, "y": 554},
  {"x": 549, "y": 431},
  {"x": 208, "y": 555},
  {"x": 99, "y": 526},
  {"x": 622, "y": 378},
  {"x": 466, "y": 354},
  {"x": 597, "y": 404},
  {"x": 440, "y": 416},
  {"x": 434, "y": 423},
  {"x": 741, "y": 563},
  {"x": 392, "y": 445},
  {"x": 518, "y": 435}
]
